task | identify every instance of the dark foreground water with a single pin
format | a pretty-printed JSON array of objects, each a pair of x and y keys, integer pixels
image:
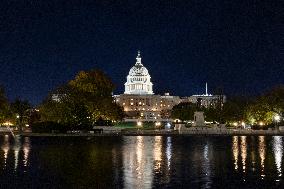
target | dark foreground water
[{"x": 142, "y": 162}]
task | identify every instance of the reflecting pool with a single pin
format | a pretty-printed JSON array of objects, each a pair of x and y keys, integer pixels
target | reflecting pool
[{"x": 142, "y": 162}]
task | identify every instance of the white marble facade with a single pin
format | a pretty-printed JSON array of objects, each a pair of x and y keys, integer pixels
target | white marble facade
[{"x": 138, "y": 80}]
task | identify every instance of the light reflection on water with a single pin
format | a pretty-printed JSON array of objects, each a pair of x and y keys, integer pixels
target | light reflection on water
[
  {"x": 262, "y": 154},
  {"x": 12, "y": 148},
  {"x": 5, "y": 147},
  {"x": 278, "y": 153},
  {"x": 169, "y": 151},
  {"x": 153, "y": 161},
  {"x": 17, "y": 146},
  {"x": 250, "y": 148},
  {"x": 244, "y": 152},
  {"x": 235, "y": 150},
  {"x": 139, "y": 173}
]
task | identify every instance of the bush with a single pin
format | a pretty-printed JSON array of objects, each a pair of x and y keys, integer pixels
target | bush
[
  {"x": 48, "y": 127},
  {"x": 101, "y": 122}
]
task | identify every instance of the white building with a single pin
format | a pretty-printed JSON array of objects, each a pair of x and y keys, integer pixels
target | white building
[
  {"x": 206, "y": 100},
  {"x": 138, "y": 99},
  {"x": 138, "y": 80}
]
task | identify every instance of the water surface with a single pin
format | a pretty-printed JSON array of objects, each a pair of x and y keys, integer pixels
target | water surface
[{"x": 142, "y": 162}]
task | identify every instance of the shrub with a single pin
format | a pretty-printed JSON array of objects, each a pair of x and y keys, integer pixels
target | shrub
[{"x": 48, "y": 127}]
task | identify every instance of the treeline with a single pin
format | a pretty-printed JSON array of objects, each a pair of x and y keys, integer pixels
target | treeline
[
  {"x": 266, "y": 109},
  {"x": 80, "y": 103},
  {"x": 17, "y": 112}
]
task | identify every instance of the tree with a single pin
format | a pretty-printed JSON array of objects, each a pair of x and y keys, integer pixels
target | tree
[
  {"x": 265, "y": 107},
  {"x": 19, "y": 108},
  {"x": 234, "y": 109},
  {"x": 184, "y": 111},
  {"x": 4, "y": 106},
  {"x": 95, "y": 89},
  {"x": 82, "y": 101},
  {"x": 211, "y": 114},
  {"x": 273, "y": 100},
  {"x": 68, "y": 109}
]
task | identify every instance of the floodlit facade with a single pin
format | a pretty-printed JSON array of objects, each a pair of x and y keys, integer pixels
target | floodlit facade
[
  {"x": 206, "y": 100},
  {"x": 138, "y": 99},
  {"x": 138, "y": 80},
  {"x": 140, "y": 102}
]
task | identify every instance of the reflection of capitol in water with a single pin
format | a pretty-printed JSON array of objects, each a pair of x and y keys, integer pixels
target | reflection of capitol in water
[
  {"x": 15, "y": 151},
  {"x": 143, "y": 157}
]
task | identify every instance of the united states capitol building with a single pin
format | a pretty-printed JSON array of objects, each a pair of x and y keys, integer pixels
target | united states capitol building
[{"x": 139, "y": 100}]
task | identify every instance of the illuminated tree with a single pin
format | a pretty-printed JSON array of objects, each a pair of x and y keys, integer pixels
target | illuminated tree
[{"x": 82, "y": 101}]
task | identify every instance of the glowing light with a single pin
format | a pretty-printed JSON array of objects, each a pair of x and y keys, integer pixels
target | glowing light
[
  {"x": 7, "y": 123},
  {"x": 243, "y": 124},
  {"x": 235, "y": 124},
  {"x": 277, "y": 118},
  {"x": 168, "y": 125},
  {"x": 261, "y": 123},
  {"x": 158, "y": 123},
  {"x": 139, "y": 123}
]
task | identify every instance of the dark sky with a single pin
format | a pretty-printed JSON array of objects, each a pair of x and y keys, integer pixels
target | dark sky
[{"x": 233, "y": 44}]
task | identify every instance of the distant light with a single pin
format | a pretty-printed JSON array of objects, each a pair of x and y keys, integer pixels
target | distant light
[
  {"x": 261, "y": 123},
  {"x": 277, "y": 118},
  {"x": 168, "y": 125},
  {"x": 243, "y": 124},
  {"x": 158, "y": 123},
  {"x": 235, "y": 124},
  {"x": 177, "y": 120},
  {"x": 8, "y": 123},
  {"x": 18, "y": 116},
  {"x": 139, "y": 123}
]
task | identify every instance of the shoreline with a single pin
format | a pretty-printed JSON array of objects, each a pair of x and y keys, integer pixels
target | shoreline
[{"x": 156, "y": 133}]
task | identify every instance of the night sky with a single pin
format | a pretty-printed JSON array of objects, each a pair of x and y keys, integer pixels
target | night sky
[{"x": 236, "y": 45}]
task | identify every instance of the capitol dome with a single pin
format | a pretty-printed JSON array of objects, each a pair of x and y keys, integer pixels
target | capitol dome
[{"x": 138, "y": 79}]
